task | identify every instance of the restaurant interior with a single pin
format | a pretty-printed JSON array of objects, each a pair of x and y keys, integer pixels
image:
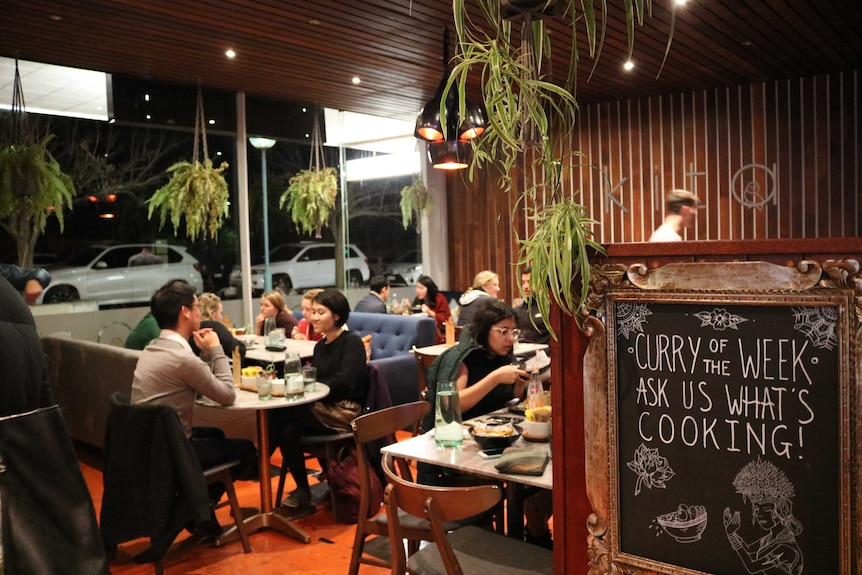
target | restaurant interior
[{"x": 753, "y": 106}]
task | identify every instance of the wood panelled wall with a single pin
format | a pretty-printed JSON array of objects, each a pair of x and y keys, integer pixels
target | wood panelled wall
[{"x": 768, "y": 161}]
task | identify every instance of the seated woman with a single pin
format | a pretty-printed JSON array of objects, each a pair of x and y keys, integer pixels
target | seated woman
[
  {"x": 340, "y": 361},
  {"x": 272, "y": 305},
  {"x": 432, "y": 303},
  {"x": 482, "y": 365},
  {"x": 305, "y": 330},
  {"x": 486, "y": 284},
  {"x": 211, "y": 316}
]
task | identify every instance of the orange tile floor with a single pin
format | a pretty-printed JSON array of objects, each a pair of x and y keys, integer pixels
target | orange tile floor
[{"x": 327, "y": 554}]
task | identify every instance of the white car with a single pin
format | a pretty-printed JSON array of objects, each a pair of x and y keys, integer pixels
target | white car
[
  {"x": 103, "y": 274},
  {"x": 305, "y": 265},
  {"x": 406, "y": 269}
]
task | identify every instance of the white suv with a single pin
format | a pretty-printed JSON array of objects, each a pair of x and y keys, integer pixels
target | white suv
[
  {"x": 104, "y": 274},
  {"x": 305, "y": 265}
]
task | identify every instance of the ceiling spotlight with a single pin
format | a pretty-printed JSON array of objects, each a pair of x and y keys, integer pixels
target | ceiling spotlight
[
  {"x": 356, "y": 80},
  {"x": 230, "y": 53},
  {"x": 628, "y": 66}
]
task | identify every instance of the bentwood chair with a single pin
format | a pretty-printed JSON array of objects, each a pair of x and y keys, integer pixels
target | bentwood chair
[
  {"x": 423, "y": 362},
  {"x": 371, "y": 432},
  {"x": 470, "y": 550}
]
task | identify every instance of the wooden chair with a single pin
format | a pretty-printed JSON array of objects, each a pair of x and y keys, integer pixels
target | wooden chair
[
  {"x": 470, "y": 550},
  {"x": 423, "y": 362},
  {"x": 371, "y": 432}
]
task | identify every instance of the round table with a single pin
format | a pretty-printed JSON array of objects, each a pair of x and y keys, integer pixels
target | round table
[{"x": 267, "y": 517}]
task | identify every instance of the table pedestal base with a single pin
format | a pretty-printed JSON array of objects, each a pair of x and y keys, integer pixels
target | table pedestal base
[{"x": 259, "y": 521}]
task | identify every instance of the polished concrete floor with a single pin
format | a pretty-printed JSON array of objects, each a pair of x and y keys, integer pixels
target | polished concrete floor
[{"x": 327, "y": 554}]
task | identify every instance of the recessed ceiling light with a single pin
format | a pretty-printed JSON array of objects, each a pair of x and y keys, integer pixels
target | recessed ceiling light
[
  {"x": 211, "y": 122},
  {"x": 149, "y": 117},
  {"x": 314, "y": 22},
  {"x": 230, "y": 53},
  {"x": 680, "y": 2},
  {"x": 628, "y": 66},
  {"x": 356, "y": 80},
  {"x": 55, "y": 17},
  {"x": 146, "y": 97}
]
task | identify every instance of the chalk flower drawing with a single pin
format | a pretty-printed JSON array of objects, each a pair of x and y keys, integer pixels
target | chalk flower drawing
[
  {"x": 819, "y": 324},
  {"x": 631, "y": 317},
  {"x": 769, "y": 492},
  {"x": 652, "y": 469},
  {"x": 719, "y": 319}
]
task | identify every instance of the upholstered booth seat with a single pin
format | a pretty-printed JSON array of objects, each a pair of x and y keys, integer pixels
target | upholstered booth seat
[{"x": 392, "y": 338}]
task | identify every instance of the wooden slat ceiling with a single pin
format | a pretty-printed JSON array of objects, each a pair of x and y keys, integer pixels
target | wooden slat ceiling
[{"x": 308, "y": 51}]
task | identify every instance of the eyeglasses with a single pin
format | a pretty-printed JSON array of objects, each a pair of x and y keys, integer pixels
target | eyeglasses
[{"x": 507, "y": 331}]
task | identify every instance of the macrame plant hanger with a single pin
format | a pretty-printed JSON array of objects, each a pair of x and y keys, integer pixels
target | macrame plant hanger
[
  {"x": 317, "y": 162},
  {"x": 200, "y": 130},
  {"x": 20, "y": 134}
]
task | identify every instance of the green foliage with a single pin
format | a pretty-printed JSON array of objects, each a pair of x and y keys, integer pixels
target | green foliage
[
  {"x": 310, "y": 197},
  {"x": 31, "y": 182},
  {"x": 414, "y": 198},
  {"x": 196, "y": 191},
  {"x": 558, "y": 250}
]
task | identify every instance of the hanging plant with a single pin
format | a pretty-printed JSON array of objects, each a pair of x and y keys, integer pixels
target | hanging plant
[
  {"x": 559, "y": 252},
  {"x": 414, "y": 199},
  {"x": 32, "y": 184},
  {"x": 196, "y": 190},
  {"x": 310, "y": 197}
]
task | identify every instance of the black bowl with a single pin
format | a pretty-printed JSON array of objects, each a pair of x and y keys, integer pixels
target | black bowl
[{"x": 496, "y": 441}]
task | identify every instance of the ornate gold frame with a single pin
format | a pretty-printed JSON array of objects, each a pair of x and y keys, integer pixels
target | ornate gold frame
[{"x": 836, "y": 283}]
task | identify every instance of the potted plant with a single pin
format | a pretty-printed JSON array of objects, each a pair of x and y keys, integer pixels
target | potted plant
[
  {"x": 197, "y": 191},
  {"x": 32, "y": 184},
  {"x": 414, "y": 199},
  {"x": 310, "y": 196},
  {"x": 530, "y": 117}
]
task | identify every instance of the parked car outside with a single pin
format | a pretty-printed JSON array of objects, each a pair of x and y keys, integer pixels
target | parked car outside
[
  {"x": 104, "y": 274},
  {"x": 305, "y": 265},
  {"x": 406, "y": 269}
]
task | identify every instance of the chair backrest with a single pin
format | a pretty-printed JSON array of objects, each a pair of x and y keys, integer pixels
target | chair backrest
[
  {"x": 374, "y": 430},
  {"x": 423, "y": 362},
  {"x": 152, "y": 477},
  {"x": 437, "y": 504},
  {"x": 393, "y": 334}
]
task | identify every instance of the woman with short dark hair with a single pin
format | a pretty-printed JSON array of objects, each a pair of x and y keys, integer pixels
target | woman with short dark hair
[{"x": 339, "y": 357}]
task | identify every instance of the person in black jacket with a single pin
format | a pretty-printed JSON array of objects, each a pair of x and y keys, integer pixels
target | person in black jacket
[
  {"x": 55, "y": 530},
  {"x": 211, "y": 317}
]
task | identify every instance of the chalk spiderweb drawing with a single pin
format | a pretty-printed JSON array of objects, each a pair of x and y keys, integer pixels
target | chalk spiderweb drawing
[
  {"x": 719, "y": 319},
  {"x": 631, "y": 317},
  {"x": 819, "y": 324}
]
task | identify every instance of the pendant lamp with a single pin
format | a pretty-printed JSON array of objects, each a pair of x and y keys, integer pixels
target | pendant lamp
[{"x": 449, "y": 149}]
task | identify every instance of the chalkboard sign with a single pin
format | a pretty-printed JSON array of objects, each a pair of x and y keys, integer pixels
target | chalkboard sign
[{"x": 730, "y": 420}]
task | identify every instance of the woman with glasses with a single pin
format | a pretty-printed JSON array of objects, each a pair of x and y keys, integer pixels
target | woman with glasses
[{"x": 482, "y": 365}]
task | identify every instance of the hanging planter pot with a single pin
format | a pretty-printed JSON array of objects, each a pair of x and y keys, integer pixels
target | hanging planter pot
[
  {"x": 310, "y": 197},
  {"x": 197, "y": 191},
  {"x": 414, "y": 200}
]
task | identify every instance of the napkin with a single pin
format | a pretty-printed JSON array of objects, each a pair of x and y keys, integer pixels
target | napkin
[{"x": 522, "y": 462}]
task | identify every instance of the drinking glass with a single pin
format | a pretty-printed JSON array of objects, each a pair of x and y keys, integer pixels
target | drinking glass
[
  {"x": 264, "y": 388},
  {"x": 447, "y": 416},
  {"x": 309, "y": 378}
]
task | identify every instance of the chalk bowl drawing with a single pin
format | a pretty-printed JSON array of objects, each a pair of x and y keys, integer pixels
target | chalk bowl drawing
[
  {"x": 631, "y": 317},
  {"x": 818, "y": 324},
  {"x": 719, "y": 319},
  {"x": 652, "y": 469},
  {"x": 686, "y": 524},
  {"x": 753, "y": 185}
]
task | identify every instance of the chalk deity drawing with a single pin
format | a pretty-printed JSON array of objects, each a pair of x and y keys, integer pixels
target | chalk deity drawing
[
  {"x": 769, "y": 492},
  {"x": 747, "y": 190},
  {"x": 686, "y": 524},
  {"x": 819, "y": 324},
  {"x": 719, "y": 319},
  {"x": 652, "y": 469},
  {"x": 631, "y": 317}
]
